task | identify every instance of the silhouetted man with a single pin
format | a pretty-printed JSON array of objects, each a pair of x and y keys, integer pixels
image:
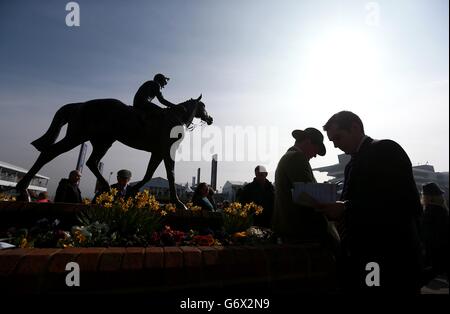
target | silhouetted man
[
  {"x": 122, "y": 187},
  {"x": 262, "y": 193},
  {"x": 293, "y": 222},
  {"x": 68, "y": 191},
  {"x": 124, "y": 190},
  {"x": 148, "y": 91},
  {"x": 379, "y": 208},
  {"x": 435, "y": 228}
]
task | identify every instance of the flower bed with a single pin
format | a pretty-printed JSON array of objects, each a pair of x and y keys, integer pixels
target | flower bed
[
  {"x": 138, "y": 221},
  {"x": 186, "y": 255}
]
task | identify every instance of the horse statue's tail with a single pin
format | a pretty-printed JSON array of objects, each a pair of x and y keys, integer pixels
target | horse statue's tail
[{"x": 61, "y": 117}]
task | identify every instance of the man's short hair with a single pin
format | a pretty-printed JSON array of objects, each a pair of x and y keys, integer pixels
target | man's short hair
[
  {"x": 260, "y": 169},
  {"x": 344, "y": 121},
  {"x": 74, "y": 172}
]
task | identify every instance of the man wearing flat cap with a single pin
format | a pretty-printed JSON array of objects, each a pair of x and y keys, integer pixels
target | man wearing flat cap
[
  {"x": 292, "y": 222},
  {"x": 123, "y": 188},
  {"x": 123, "y": 178}
]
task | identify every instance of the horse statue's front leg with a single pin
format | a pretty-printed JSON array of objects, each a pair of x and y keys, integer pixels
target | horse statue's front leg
[{"x": 170, "y": 165}]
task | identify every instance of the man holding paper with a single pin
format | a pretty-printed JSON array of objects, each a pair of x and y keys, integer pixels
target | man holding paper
[
  {"x": 379, "y": 208},
  {"x": 293, "y": 222}
]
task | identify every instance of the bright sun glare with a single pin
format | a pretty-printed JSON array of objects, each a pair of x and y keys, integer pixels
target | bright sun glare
[{"x": 343, "y": 65}]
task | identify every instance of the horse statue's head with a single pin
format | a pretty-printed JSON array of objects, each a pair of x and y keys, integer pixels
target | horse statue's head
[{"x": 194, "y": 108}]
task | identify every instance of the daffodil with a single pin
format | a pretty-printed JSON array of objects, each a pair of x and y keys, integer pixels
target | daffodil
[
  {"x": 196, "y": 208},
  {"x": 242, "y": 234},
  {"x": 23, "y": 243},
  {"x": 170, "y": 208}
]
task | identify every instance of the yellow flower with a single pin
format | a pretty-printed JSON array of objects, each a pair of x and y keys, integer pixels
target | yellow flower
[
  {"x": 259, "y": 210},
  {"x": 163, "y": 213},
  {"x": 193, "y": 207},
  {"x": 228, "y": 210},
  {"x": 106, "y": 197},
  {"x": 242, "y": 234},
  {"x": 170, "y": 208},
  {"x": 23, "y": 243},
  {"x": 249, "y": 206},
  {"x": 196, "y": 208},
  {"x": 125, "y": 205},
  {"x": 154, "y": 205},
  {"x": 130, "y": 202},
  {"x": 86, "y": 201},
  {"x": 79, "y": 236},
  {"x": 140, "y": 204},
  {"x": 236, "y": 205},
  {"x": 7, "y": 197},
  {"x": 243, "y": 214}
]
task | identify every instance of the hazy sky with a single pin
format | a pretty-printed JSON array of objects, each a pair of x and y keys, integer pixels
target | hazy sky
[{"x": 270, "y": 66}]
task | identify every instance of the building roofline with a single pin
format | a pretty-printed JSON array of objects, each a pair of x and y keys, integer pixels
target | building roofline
[{"x": 20, "y": 169}]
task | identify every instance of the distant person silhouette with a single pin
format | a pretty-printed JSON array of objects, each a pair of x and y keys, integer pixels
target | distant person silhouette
[
  {"x": 43, "y": 198},
  {"x": 123, "y": 178},
  {"x": 68, "y": 191},
  {"x": 435, "y": 228},
  {"x": 122, "y": 186},
  {"x": 148, "y": 91},
  {"x": 202, "y": 197},
  {"x": 33, "y": 196},
  {"x": 261, "y": 192}
]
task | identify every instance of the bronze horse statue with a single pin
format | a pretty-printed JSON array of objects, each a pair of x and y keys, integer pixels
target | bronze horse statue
[{"x": 104, "y": 121}]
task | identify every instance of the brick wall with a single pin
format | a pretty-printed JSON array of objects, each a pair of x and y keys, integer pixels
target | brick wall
[{"x": 305, "y": 268}]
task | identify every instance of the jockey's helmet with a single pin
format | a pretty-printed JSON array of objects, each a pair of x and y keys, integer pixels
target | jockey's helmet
[{"x": 161, "y": 79}]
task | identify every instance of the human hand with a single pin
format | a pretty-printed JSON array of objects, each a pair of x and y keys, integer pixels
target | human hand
[{"x": 333, "y": 211}]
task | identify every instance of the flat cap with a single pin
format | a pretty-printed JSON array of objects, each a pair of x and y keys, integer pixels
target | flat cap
[{"x": 124, "y": 174}]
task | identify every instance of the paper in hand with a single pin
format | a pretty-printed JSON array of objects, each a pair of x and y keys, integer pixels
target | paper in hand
[{"x": 309, "y": 194}]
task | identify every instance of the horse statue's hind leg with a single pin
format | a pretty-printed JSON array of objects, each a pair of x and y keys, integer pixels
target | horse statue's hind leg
[
  {"x": 66, "y": 144},
  {"x": 99, "y": 149},
  {"x": 154, "y": 162}
]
